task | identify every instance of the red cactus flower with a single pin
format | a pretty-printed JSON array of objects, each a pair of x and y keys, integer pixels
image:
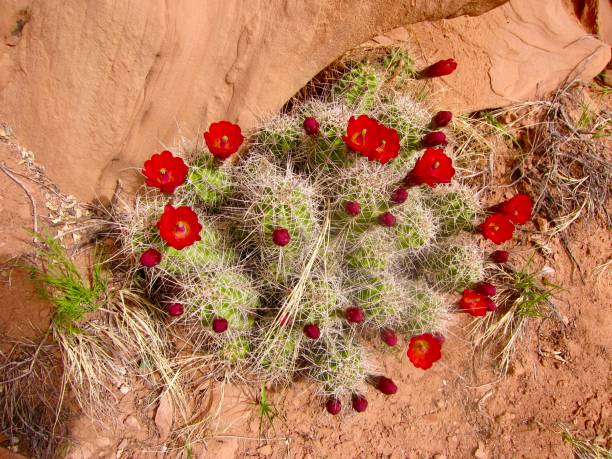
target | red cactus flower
[
  {"x": 281, "y": 237},
  {"x": 219, "y": 325},
  {"x": 473, "y": 303},
  {"x": 518, "y": 209},
  {"x": 354, "y": 315},
  {"x": 179, "y": 227},
  {"x": 385, "y": 385},
  {"x": 175, "y": 309},
  {"x": 485, "y": 288},
  {"x": 150, "y": 258},
  {"x": 440, "y": 68},
  {"x": 497, "y": 228},
  {"x": 165, "y": 171},
  {"x": 400, "y": 195},
  {"x": 360, "y": 403},
  {"x": 312, "y": 331},
  {"x": 387, "y": 219},
  {"x": 223, "y": 139},
  {"x": 431, "y": 168},
  {"x": 311, "y": 126},
  {"x": 388, "y": 336},
  {"x": 352, "y": 208},
  {"x": 433, "y": 139},
  {"x": 389, "y": 146},
  {"x": 363, "y": 135},
  {"x": 424, "y": 350},
  {"x": 333, "y": 406},
  {"x": 491, "y": 306},
  {"x": 442, "y": 119},
  {"x": 500, "y": 256}
]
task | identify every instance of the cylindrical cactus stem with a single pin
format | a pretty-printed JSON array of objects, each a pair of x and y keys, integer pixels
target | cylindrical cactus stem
[
  {"x": 339, "y": 365},
  {"x": 454, "y": 265},
  {"x": 455, "y": 207},
  {"x": 426, "y": 312},
  {"x": 358, "y": 87},
  {"x": 416, "y": 226},
  {"x": 281, "y": 136},
  {"x": 325, "y": 152},
  {"x": 272, "y": 201},
  {"x": 224, "y": 294}
]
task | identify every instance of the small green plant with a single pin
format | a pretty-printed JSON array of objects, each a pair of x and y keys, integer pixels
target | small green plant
[
  {"x": 59, "y": 281},
  {"x": 266, "y": 411}
]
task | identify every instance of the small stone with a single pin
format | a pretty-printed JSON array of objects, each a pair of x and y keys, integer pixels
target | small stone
[
  {"x": 124, "y": 389},
  {"x": 481, "y": 452},
  {"x": 131, "y": 423},
  {"x": 265, "y": 450}
]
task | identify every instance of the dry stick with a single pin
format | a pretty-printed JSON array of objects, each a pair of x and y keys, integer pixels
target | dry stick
[{"x": 8, "y": 172}]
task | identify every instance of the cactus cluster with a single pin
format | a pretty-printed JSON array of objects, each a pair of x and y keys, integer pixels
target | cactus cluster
[{"x": 308, "y": 251}]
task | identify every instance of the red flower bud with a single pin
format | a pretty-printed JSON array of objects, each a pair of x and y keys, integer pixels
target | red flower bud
[
  {"x": 441, "y": 119},
  {"x": 219, "y": 325},
  {"x": 491, "y": 306},
  {"x": 440, "y": 68},
  {"x": 400, "y": 195},
  {"x": 354, "y": 315},
  {"x": 500, "y": 256},
  {"x": 311, "y": 126},
  {"x": 175, "y": 309},
  {"x": 150, "y": 258},
  {"x": 387, "y": 219},
  {"x": 486, "y": 288},
  {"x": 281, "y": 237},
  {"x": 333, "y": 406},
  {"x": 385, "y": 385},
  {"x": 433, "y": 139},
  {"x": 360, "y": 403},
  {"x": 388, "y": 336},
  {"x": 352, "y": 208},
  {"x": 312, "y": 331}
]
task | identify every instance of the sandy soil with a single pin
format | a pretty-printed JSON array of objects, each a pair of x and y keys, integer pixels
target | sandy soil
[{"x": 458, "y": 409}]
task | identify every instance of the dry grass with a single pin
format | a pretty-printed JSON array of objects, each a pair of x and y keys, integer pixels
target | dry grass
[
  {"x": 31, "y": 395},
  {"x": 584, "y": 449},
  {"x": 564, "y": 155},
  {"x": 520, "y": 298}
]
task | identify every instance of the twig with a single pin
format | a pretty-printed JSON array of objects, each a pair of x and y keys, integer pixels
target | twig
[{"x": 9, "y": 173}]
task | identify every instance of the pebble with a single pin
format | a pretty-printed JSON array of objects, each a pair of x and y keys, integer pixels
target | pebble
[
  {"x": 124, "y": 389},
  {"x": 265, "y": 450},
  {"x": 481, "y": 452}
]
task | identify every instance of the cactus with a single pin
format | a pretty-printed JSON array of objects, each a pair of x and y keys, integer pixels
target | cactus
[
  {"x": 339, "y": 365},
  {"x": 301, "y": 232},
  {"x": 281, "y": 135},
  {"x": 416, "y": 227},
  {"x": 227, "y": 294},
  {"x": 399, "y": 67},
  {"x": 455, "y": 208},
  {"x": 358, "y": 87},
  {"x": 455, "y": 265}
]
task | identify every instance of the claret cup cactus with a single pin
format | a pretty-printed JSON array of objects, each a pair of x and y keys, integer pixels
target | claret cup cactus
[{"x": 335, "y": 229}]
